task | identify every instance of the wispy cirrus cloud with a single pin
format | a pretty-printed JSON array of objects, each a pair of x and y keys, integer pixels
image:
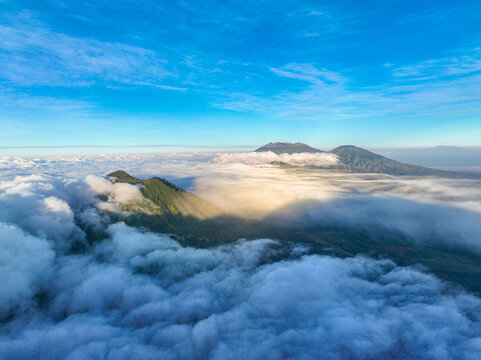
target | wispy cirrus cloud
[
  {"x": 16, "y": 99},
  {"x": 428, "y": 88},
  {"x": 463, "y": 65},
  {"x": 309, "y": 73},
  {"x": 34, "y": 55}
]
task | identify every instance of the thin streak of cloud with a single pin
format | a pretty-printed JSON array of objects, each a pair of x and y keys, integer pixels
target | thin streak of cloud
[
  {"x": 63, "y": 60},
  {"x": 309, "y": 73},
  {"x": 441, "y": 68},
  {"x": 330, "y": 96}
]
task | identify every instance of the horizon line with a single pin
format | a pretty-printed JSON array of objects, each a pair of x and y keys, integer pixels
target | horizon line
[{"x": 210, "y": 146}]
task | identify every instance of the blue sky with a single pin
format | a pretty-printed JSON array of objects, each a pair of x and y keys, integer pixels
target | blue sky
[{"x": 207, "y": 75}]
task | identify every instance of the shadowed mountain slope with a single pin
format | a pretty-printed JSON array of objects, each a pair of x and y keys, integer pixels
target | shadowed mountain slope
[
  {"x": 355, "y": 159},
  {"x": 195, "y": 222}
]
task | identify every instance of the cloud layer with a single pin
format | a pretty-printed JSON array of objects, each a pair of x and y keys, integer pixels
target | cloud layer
[{"x": 136, "y": 294}]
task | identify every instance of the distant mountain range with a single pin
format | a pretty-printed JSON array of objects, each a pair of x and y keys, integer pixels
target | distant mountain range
[{"x": 354, "y": 159}]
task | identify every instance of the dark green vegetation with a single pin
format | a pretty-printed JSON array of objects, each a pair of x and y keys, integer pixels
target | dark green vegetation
[
  {"x": 280, "y": 163},
  {"x": 459, "y": 266},
  {"x": 337, "y": 239},
  {"x": 122, "y": 176},
  {"x": 289, "y": 148}
]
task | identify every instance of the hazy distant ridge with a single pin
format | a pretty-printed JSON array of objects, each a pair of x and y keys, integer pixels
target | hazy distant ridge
[{"x": 354, "y": 159}]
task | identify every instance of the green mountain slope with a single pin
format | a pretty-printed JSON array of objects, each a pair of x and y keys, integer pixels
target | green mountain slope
[
  {"x": 122, "y": 176},
  {"x": 355, "y": 159},
  {"x": 289, "y": 148},
  {"x": 167, "y": 198}
]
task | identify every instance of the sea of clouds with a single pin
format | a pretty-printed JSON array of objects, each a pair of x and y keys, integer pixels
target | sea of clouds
[{"x": 141, "y": 295}]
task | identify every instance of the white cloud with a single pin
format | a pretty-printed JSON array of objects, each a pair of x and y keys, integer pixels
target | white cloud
[
  {"x": 24, "y": 261},
  {"x": 57, "y": 205},
  {"x": 118, "y": 192},
  {"x": 296, "y": 159},
  {"x": 45, "y": 207}
]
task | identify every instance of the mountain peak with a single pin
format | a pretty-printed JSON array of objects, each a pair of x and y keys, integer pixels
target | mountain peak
[
  {"x": 280, "y": 144},
  {"x": 167, "y": 197},
  {"x": 343, "y": 149},
  {"x": 122, "y": 176},
  {"x": 287, "y": 147}
]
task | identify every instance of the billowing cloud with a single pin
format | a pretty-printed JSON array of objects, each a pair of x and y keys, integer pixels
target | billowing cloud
[
  {"x": 152, "y": 298},
  {"x": 24, "y": 261},
  {"x": 38, "y": 205}
]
